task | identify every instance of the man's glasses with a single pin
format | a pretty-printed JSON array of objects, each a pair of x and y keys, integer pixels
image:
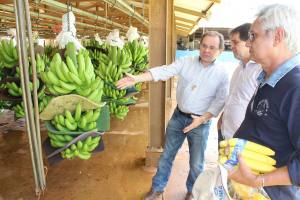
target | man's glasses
[
  {"x": 252, "y": 36},
  {"x": 212, "y": 48}
]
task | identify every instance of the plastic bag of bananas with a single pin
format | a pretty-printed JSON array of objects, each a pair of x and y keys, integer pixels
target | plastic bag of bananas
[
  {"x": 257, "y": 157},
  {"x": 243, "y": 192}
]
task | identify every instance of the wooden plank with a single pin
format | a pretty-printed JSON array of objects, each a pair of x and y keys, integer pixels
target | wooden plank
[
  {"x": 184, "y": 25},
  {"x": 188, "y": 11},
  {"x": 157, "y": 48},
  {"x": 182, "y": 33},
  {"x": 184, "y": 20}
]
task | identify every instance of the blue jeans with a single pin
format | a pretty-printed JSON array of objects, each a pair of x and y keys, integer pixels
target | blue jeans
[{"x": 197, "y": 139}]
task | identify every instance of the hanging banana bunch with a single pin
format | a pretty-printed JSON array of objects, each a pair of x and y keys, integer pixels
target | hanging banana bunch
[
  {"x": 139, "y": 55},
  {"x": 8, "y": 53}
]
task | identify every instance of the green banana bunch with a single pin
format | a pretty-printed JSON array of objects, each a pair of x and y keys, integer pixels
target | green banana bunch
[
  {"x": 19, "y": 110},
  {"x": 3, "y": 86},
  {"x": 43, "y": 102},
  {"x": 18, "y": 73},
  {"x": 14, "y": 89},
  {"x": 64, "y": 78},
  {"x": 59, "y": 140},
  {"x": 82, "y": 149},
  {"x": 40, "y": 64},
  {"x": 113, "y": 66},
  {"x": 138, "y": 87},
  {"x": 1, "y": 64},
  {"x": 8, "y": 53},
  {"x": 111, "y": 93},
  {"x": 71, "y": 53},
  {"x": 93, "y": 91},
  {"x": 95, "y": 56},
  {"x": 139, "y": 55},
  {"x": 110, "y": 73},
  {"x": 77, "y": 121},
  {"x": 119, "y": 111},
  {"x": 92, "y": 43}
]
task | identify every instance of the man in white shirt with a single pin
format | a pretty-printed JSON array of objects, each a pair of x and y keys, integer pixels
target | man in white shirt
[
  {"x": 201, "y": 92},
  {"x": 243, "y": 83}
]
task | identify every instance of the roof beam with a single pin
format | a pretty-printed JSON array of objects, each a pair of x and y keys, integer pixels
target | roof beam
[
  {"x": 11, "y": 9},
  {"x": 215, "y": 1},
  {"x": 185, "y": 25},
  {"x": 57, "y": 4},
  {"x": 184, "y": 20},
  {"x": 139, "y": 4},
  {"x": 6, "y": 1},
  {"x": 181, "y": 32},
  {"x": 188, "y": 11},
  {"x": 126, "y": 8}
]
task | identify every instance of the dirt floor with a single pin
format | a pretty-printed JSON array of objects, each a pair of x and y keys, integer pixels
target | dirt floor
[{"x": 113, "y": 174}]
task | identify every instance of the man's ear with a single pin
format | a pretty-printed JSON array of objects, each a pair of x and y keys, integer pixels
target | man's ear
[{"x": 279, "y": 36}]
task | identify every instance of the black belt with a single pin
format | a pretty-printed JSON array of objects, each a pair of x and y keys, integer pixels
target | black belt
[{"x": 186, "y": 114}]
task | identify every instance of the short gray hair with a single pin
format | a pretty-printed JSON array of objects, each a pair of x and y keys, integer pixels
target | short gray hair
[
  {"x": 214, "y": 34},
  {"x": 283, "y": 16}
]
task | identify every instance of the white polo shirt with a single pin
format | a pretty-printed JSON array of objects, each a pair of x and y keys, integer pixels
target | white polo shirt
[{"x": 242, "y": 87}]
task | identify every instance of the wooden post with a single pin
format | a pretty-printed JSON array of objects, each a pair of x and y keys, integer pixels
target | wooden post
[{"x": 161, "y": 25}]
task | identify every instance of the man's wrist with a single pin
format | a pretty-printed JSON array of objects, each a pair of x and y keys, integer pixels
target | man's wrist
[
  {"x": 260, "y": 181},
  {"x": 203, "y": 119}
]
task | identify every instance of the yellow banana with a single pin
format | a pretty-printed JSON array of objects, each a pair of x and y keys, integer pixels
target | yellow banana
[
  {"x": 250, "y": 154},
  {"x": 249, "y": 145}
]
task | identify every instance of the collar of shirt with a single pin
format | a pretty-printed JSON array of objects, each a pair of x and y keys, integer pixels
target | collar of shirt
[
  {"x": 280, "y": 72},
  {"x": 250, "y": 62}
]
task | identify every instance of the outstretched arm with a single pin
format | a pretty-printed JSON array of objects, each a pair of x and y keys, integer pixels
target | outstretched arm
[{"x": 130, "y": 80}]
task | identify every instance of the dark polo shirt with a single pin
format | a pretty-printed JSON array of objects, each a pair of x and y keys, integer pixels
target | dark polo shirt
[{"x": 273, "y": 119}]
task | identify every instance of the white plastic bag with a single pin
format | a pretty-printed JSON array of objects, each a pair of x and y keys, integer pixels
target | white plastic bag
[
  {"x": 113, "y": 39},
  {"x": 69, "y": 25},
  {"x": 12, "y": 32},
  {"x": 144, "y": 40},
  {"x": 211, "y": 184},
  {"x": 64, "y": 38},
  {"x": 132, "y": 34},
  {"x": 68, "y": 33},
  {"x": 98, "y": 39}
]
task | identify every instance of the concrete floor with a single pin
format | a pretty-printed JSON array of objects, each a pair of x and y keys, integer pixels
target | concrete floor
[{"x": 114, "y": 174}]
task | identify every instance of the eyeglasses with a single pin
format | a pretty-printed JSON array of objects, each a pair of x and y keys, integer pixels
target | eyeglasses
[
  {"x": 252, "y": 36},
  {"x": 212, "y": 48}
]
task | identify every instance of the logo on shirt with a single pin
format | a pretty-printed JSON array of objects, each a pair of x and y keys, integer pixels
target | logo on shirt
[{"x": 262, "y": 108}]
